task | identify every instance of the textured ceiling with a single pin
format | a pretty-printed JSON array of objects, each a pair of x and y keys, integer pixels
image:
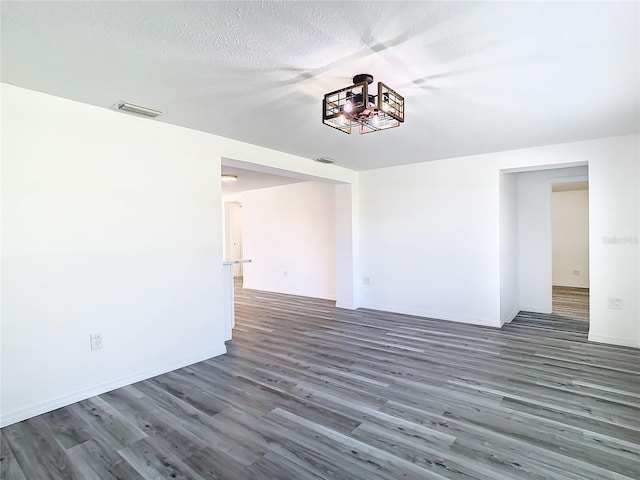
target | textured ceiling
[{"x": 478, "y": 77}]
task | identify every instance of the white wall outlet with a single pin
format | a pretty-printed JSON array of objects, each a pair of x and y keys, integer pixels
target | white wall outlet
[
  {"x": 614, "y": 303},
  {"x": 285, "y": 274},
  {"x": 576, "y": 273},
  {"x": 366, "y": 281},
  {"x": 96, "y": 341}
]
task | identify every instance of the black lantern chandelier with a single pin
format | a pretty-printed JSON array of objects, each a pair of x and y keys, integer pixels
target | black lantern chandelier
[{"x": 355, "y": 106}]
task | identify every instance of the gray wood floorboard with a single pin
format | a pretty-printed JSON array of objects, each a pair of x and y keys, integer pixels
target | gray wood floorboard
[
  {"x": 93, "y": 460},
  {"x": 308, "y": 391},
  {"x": 571, "y": 302},
  {"x": 9, "y": 467}
]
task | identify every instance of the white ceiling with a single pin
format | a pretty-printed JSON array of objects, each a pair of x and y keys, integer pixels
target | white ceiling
[
  {"x": 478, "y": 77},
  {"x": 252, "y": 180}
]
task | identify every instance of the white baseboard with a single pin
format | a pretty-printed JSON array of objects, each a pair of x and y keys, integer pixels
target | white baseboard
[
  {"x": 485, "y": 322},
  {"x": 509, "y": 318},
  {"x": 535, "y": 309},
  {"x": 624, "y": 342},
  {"x": 267, "y": 288},
  {"x": 346, "y": 306},
  {"x": 64, "y": 400}
]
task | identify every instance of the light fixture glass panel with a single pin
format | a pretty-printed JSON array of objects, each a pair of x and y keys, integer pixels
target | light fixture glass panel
[
  {"x": 381, "y": 122},
  {"x": 138, "y": 110},
  {"x": 339, "y": 123},
  {"x": 342, "y": 107},
  {"x": 390, "y": 102}
]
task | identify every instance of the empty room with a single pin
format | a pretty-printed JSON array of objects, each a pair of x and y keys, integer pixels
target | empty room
[{"x": 320, "y": 240}]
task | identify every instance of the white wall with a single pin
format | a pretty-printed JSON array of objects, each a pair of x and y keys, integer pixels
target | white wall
[
  {"x": 614, "y": 222},
  {"x": 535, "y": 234},
  {"x": 441, "y": 218},
  {"x": 236, "y": 197},
  {"x": 347, "y": 246},
  {"x": 509, "y": 259},
  {"x": 570, "y": 238},
  {"x": 111, "y": 224},
  {"x": 233, "y": 235},
  {"x": 430, "y": 240},
  {"x": 289, "y": 233}
]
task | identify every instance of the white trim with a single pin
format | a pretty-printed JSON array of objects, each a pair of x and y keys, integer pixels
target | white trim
[
  {"x": 64, "y": 400},
  {"x": 230, "y": 304},
  {"x": 485, "y": 322},
  {"x": 553, "y": 166},
  {"x": 323, "y": 296},
  {"x": 529, "y": 308},
  {"x": 346, "y": 306},
  {"x": 510, "y": 317},
  {"x": 625, "y": 342}
]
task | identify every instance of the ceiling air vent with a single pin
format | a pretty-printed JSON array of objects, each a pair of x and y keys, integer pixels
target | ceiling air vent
[
  {"x": 326, "y": 160},
  {"x": 138, "y": 110}
]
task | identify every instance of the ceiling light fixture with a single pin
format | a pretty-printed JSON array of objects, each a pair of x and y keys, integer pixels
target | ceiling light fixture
[
  {"x": 354, "y": 106},
  {"x": 138, "y": 110},
  {"x": 227, "y": 177}
]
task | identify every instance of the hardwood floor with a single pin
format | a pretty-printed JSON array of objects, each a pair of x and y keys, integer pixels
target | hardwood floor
[
  {"x": 571, "y": 302},
  {"x": 308, "y": 391}
]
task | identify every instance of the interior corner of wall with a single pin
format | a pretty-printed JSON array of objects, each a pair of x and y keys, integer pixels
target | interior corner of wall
[{"x": 509, "y": 318}]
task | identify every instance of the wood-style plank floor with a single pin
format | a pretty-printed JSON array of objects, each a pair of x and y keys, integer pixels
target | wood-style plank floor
[
  {"x": 572, "y": 302},
  {"x": 308, "y": 391}
]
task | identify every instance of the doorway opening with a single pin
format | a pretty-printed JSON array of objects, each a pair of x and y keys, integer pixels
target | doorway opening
[
  {"x": 570, "y": 249},
  {"x": 286, "y": 226},
  {"x": 246, "y": 179},
  {"x": 294, "y": 230},
  {"x": 544, "y": 248}
]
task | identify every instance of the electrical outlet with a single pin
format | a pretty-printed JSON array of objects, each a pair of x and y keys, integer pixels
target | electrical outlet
[
  {"x": 614, "y": 303},
  {"x": 366, "y": 281},
  {"x": 285, "y": 274},
  {"x": 96, "y": 341},
  {"x": 576, "y": 273}
]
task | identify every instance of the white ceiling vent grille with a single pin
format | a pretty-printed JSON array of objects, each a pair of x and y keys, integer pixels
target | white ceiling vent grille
[
  {"x": 138, "y": 110},
  {"x": 326, "y": 160}
]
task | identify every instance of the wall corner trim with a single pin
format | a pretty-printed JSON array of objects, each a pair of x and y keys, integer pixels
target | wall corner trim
[
  {"x": 534, "y": 309},
  {"x": 346, "y": 306},
  {"x": 509, "y": 318}
]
